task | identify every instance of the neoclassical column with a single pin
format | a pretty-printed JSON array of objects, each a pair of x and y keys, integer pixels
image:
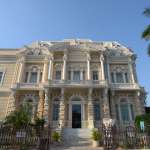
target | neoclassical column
[
  {"x": 62, "y": 110},
  {"x": 64, "y": 66},
  {"x": 88, "y": 66},
  {"x": 131, "y": 73},
  {"x": 50, "y": 68},
  {"x": 21, "y": 69},
  {"x": 41, "y": 104},
  {"x": 106, "y": 109},
  {"x": 45, "y": 70},
  {"x": 90, "y": 109},
  {"x": 102, "y": 67},
  {"x": 46, "y": 105}
]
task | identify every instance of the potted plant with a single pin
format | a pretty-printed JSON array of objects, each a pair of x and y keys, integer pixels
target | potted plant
[
  {"x": 56, "y": 137},
  {"x": 96, "y": 137}
]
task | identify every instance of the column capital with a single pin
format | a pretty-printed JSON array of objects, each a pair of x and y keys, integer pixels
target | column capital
[
  {"x": 101, "y": 57},
  {"x": 88, "y": 56}
]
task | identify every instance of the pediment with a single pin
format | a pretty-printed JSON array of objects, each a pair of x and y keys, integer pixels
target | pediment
[{"x": 35, "y": 49}]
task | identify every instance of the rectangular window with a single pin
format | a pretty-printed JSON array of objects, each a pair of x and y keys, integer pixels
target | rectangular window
[
  {"x": 119, "y": 77},
  {"x": 33, "y": 77},
  {"x": 58, "y": 75},
  {"x": 26, "y": 77},
  {"x": 112, "y": 77},
  {"x": 76, "y": 75},
  {"x": 126, "y": 77},
  {"x": 124, "y": 112},
  {"x": 95, "y": 75},
  {"x": 1, "y": 77},
  {"x": 55, "y": 112},
  {"x": 96, "y": 112}
]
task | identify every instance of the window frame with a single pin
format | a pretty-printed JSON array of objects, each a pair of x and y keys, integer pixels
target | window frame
[
  {"x": 96, "y": 75},
  {"x": 3, "y": 74}
]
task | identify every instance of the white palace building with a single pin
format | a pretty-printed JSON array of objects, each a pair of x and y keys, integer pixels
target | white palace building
[{"x": 72, "y": 83}]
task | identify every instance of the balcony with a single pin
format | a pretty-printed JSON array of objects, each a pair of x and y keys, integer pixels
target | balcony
[
  {"x": 124, "y": 86},
  {"x": 80, "y": 83},
  {"x": 27, "y": 86}
]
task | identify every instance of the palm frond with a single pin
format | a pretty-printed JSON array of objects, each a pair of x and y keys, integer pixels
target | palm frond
[
  {"x": 147, "y": 12},
  {"x": 146, "y": 33}
]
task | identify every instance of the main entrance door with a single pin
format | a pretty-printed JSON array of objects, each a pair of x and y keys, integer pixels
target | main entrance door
[{"x": 76, "y": 116}]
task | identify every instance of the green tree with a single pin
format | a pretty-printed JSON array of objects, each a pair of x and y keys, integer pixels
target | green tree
[
  {"x": 146, "y": 32},
  {"x": 20, "y": 117}
]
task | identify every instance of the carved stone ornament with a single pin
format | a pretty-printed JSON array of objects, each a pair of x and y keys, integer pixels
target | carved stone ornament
[
  {"x": 108, "y": 122},
  {"x": 34, "y": 52}
]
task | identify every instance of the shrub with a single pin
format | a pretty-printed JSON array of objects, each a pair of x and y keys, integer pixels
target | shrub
[
  {"x": 56, "y": 136},
  {"x": 96, "y": 135}
]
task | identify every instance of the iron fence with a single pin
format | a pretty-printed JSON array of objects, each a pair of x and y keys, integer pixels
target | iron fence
[
  {"x": 24, "y": 138},
  {"x": 125, "y": 137}
]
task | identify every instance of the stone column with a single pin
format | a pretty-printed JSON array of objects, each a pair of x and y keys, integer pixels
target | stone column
[
  {"x": 45, "y": 71},
  {"x": 131, "y": 73},
  {"x": 50, "y": 69},
  {"x": 88, "y": 67},
  {"x": 21, "y": 69},
  {"x": 12, "y": 102},
  {"x": 106, "y": 109},
  {"x": 102, "y": 67},
  {"x": 41, "y": 104},
  {"x": 90, "y": 109},
  {"x": 64, "y": 66},
  {"x": 46, "y": 105},
  {"x": 62, "y": 110}
]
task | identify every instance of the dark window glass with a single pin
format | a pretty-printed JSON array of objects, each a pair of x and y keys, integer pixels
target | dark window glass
[
  {"x": 55, "y": 112},
  {"x": 69, "y": 75},
  {"x": 96, "y": 112},
  {"x": 132, "y": 112},
  {"x": 117, "y": 112},
  {"x": 112, "y": 77},
  {"x": 58, "y": 75},
  {"x": 95, "y": 75},
  {"x": 76, "y": 75},
  {"x": 41, "y": 76},
  {"x": 1, "y": 76},
  {"x": 124, "y": 112},
  {"x": 119, "y": 77},
  {"x": 126, "y": 77},
  {"x": 26, "y": 77},
  {"x": 33, "y": 78}
]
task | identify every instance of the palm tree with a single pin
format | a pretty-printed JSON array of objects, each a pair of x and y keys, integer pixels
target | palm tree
[
  {"x": 146, "y": 32},
  {"x": 20, "y": 117}
]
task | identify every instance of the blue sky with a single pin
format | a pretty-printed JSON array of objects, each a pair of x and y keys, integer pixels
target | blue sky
[{"x": 24, "y": 21}]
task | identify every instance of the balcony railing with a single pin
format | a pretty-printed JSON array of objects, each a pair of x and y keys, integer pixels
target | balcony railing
[
  {"x": 125, "y": 86},
  {"x": 78, "y": 83},
  {"x": 27, "y": 86}
]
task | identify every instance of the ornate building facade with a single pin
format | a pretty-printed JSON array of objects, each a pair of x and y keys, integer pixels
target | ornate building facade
[{"x": 71, "y": 83}]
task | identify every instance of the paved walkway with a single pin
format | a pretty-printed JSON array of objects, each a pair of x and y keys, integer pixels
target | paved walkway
[{"x": 74, "y": 148}]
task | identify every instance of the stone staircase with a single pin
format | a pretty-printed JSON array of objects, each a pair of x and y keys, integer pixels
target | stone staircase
[{"x": 76, "y": 137}]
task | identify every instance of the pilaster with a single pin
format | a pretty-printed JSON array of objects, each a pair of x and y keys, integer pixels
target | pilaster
[
  {"x": 102, "y": 67},
  {"x": 41, "y": 104},
  {"x": 45, "y": 70},
  {"x": 62, "y": 110},
  {"x": 90, "y": 109},
  {"x": 88, "y": 66},
  {"x": 64, "y": 66},
  {"x": 131, "y": 73},
  {"x": 50, "y": 68},
  {"x": 46, "y": 105},
  {"x": 21, "y": 69},
  {"x": 106, "y": 109}
]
